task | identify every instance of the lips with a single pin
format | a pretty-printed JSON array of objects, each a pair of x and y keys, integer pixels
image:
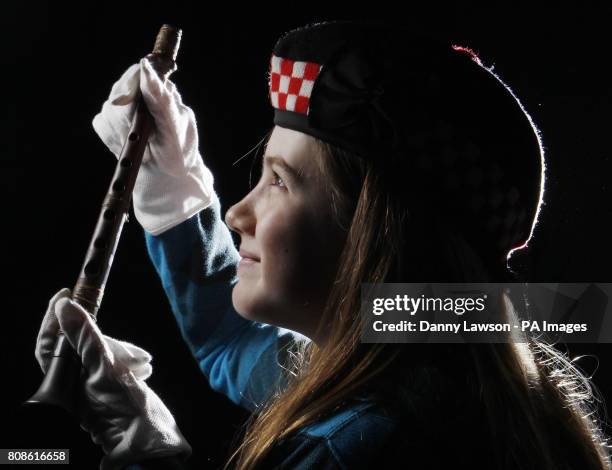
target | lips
[{"x": 247, "y": 255}]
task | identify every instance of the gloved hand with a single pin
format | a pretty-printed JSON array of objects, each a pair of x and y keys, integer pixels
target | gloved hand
[
  {"x": 173, "y": 183},
  {"x": 118, "y": 409}
]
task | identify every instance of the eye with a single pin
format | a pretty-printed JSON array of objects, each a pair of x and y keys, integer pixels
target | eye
[{"x": 277, "y": 180}]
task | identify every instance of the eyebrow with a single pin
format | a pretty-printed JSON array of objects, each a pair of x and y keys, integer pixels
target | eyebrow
[{"x": 274, "y": 160}]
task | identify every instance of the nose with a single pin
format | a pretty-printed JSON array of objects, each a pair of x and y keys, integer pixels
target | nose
[{"x": 241, "y": 218}]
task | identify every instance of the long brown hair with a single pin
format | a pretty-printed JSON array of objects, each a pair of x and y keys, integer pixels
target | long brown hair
[{"x": 526, "y": 389}]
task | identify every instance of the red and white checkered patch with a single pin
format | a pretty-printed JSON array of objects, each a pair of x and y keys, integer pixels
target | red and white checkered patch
[{"x": 291, "y": 83}]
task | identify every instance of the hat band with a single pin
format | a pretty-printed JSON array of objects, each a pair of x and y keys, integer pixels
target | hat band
[{"x": 291, "y": 83}]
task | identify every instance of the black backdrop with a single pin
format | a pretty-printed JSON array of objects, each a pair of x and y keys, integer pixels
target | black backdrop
[{"x": 55, "y": 171}]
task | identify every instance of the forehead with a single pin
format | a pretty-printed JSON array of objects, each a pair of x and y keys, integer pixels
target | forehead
[{"x": 298, "y": 150}]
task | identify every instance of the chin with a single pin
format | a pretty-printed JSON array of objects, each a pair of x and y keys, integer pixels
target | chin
[
  {"x": 245, "y": 302},
  {"x": 251, "y": 302}
]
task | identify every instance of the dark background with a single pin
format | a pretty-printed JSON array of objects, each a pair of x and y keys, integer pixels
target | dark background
[{"x": 55, "y": 171}]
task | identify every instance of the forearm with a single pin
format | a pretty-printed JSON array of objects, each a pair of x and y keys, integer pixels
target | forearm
[{"x": 196, "y": 262}]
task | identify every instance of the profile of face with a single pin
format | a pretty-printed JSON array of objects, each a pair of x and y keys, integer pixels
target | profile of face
[{"x": 289, "y": 242}]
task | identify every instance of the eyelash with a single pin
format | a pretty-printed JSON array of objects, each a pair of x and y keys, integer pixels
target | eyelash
[{"x": 275, "y": 178}]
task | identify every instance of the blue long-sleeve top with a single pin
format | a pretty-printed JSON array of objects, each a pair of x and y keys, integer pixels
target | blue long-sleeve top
[
  {"x": 440, "y": 425},
  {"x": 197, "y": 264}
]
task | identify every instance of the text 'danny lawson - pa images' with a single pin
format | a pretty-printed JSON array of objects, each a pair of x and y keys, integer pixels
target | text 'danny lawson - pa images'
[{"x": 486, "y": 313}]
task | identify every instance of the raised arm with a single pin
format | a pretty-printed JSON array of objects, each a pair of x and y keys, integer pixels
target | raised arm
[
  {"x": 196, "y": 262},
  {"x": 189, "y": 244}
]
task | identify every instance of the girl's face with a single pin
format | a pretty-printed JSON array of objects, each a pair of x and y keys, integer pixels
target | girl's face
[{"x": 290, "y": 243}]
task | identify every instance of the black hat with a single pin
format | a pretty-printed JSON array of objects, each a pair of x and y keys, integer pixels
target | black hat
[
  {"x": 450, "y": 131},
  {"x": 326, "y": 80}
]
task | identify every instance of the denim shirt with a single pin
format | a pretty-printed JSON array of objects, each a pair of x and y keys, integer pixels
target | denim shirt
[{"x": 197, "y": 262}]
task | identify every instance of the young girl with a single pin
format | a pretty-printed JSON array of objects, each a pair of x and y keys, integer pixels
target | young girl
[{"x": 392, "y": 159}]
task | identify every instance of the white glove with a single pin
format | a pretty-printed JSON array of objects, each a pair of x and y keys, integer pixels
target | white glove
[
  {"x": 117, "y": 408},
  {"x": 173, "y": 183}
]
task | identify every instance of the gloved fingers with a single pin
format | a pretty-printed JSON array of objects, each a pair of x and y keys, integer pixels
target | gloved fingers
[
  {"x": 142, "y": 372},
  {"x": 85, "y": 337},
  {"x": 151, "y": 85},
  {"x": 127, "y": 352},
  {"x": 174, "y": 145},
  {"x": 136, "y": 359},
  {"x": 177, "y": 136},
  {"x": 125, "y": 90},
  {"x": 101, "y": 357},
  {"x": 112, "y": 124},
  {"x": 49, "y": 329},
  {"x": 158, "y": 94}
]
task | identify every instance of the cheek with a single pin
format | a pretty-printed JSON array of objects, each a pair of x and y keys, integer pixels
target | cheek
[
  {"x": 298, "y": 260},
  {"x": 295, "y": 257},
  {"x": 280, "y": 281},
  {"x": 287, "y": 243}
]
